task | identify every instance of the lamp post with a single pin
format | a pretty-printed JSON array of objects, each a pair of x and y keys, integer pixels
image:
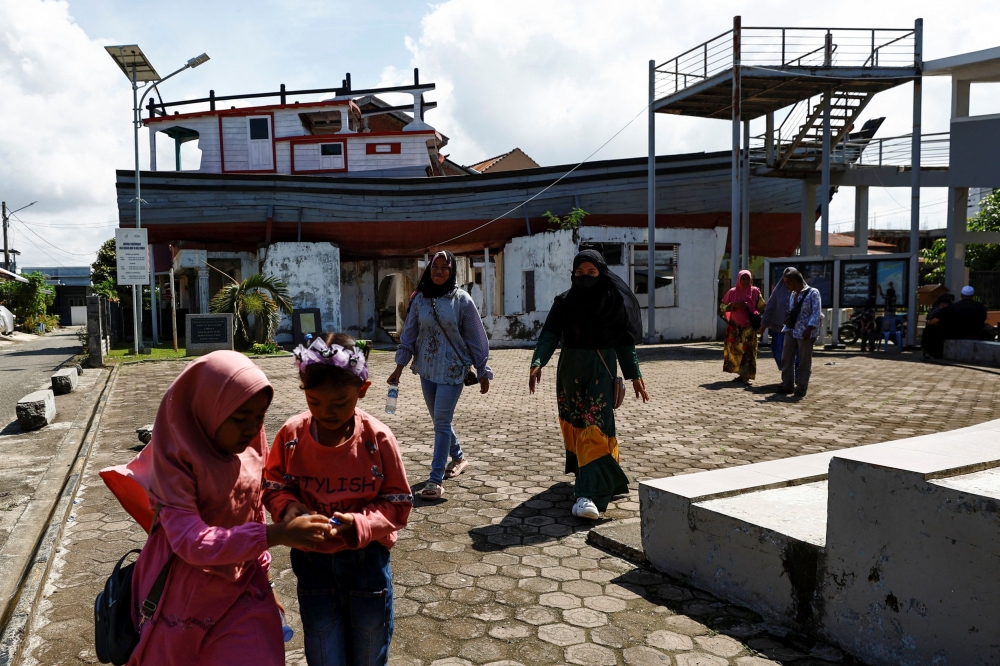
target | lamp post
[{"x": 137, "y": 68}]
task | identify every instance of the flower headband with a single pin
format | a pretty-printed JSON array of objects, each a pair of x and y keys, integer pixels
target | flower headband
[{"x": 352, "y": 359}]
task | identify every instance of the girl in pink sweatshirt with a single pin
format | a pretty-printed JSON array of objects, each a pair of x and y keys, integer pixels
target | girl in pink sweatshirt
[
  {"x": 337, "y": 461},
  {"x": 196, "y": 488}
]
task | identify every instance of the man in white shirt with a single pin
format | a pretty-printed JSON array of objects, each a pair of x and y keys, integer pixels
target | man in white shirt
[{"x": 805, "y": 312}]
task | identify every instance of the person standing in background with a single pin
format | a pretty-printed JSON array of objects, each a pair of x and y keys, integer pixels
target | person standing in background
[
  {"x": 773, "y": 317},
  {"x": 740, "y": 305},
  {"x": 801, "y": 329}
]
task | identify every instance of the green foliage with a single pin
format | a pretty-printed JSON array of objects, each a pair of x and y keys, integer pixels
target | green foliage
[
  {"x": 264, "y": 297},
  {"x": 104, "y": 274},
  {"x": 263, "y": 348},
  {"x": 978, "y": 256},
  {"x": 48, "y": 322},
  {"x": 571, "y": 221},
  {"x": 30, "y": 301}
]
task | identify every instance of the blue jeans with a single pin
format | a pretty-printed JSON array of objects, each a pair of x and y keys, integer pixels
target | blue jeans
[
  {"x": 441, "y": 400},
  {"x": 345, "y": 600}
]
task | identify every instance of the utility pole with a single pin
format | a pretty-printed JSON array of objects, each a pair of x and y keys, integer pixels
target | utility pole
[{"x": 6, "y": 250}]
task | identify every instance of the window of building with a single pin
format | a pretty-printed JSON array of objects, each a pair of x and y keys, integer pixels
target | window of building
[
  {"x": 331, "y": 149},
  {"x": 528, "y": 279},
  {"x": 260, "y": 128},
  {"x": 613, "y": 253},
  {"x": 664, "y": 270}
]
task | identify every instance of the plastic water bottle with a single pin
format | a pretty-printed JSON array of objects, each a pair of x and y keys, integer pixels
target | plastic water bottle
[
  {"x": 286, "y": 631},
  {"x": 390, "y": 402}
]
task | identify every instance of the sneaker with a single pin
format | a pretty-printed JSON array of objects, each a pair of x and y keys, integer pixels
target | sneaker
[
  {"x": 800, "y": 393},
  {"x": 584, "y": 508}
]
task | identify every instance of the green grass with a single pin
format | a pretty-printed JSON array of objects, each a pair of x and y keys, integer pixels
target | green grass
[{"x": 122, "y": 353}]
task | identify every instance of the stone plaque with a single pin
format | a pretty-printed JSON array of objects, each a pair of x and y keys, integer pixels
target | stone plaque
[{"x": 206, "y": 333}]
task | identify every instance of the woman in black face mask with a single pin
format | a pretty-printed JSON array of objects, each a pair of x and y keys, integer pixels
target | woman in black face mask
[{"x": 598, "y": 323}]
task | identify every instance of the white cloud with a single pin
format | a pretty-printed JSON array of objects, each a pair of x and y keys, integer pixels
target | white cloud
[
  {"x": 64, "y": 127},
  {"x": 558, "y": 78}
]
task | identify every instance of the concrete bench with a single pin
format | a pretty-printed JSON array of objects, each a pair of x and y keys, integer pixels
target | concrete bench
[
  {"x": 64, "y": 381},
  {"x": 886, "y": 550},
  {"x": 974, "y": 352},
  {"x": 36, "y": 410}
]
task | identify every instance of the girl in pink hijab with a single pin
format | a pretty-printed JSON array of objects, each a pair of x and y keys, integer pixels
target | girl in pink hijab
[
  {"x": 738, "y": 305},
  {"x": 196, "y": 488}
]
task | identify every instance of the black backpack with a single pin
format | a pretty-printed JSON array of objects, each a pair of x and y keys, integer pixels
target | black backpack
[{"x": 115, "y": 634}]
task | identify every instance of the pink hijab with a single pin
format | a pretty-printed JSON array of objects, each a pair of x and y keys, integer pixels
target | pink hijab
[
  {"x": 739, "y": 294},
  {"x": 180, "y": 467}
]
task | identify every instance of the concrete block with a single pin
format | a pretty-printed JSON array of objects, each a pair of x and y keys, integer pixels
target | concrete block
[
  {"x": 36, "y": 410},
  {"x": 64, "y": 381},
  {"x": 973, "y": 352}
]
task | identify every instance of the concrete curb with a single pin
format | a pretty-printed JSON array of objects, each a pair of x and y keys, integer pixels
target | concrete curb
[{"x": 31, "y": 582}]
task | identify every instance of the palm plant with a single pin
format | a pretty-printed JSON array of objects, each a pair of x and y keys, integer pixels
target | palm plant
[{"x": 264, "y": 297}]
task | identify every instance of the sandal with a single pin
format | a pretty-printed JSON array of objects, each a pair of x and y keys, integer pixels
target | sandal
[
  {"x": 431, "y": 491},
  {"x": 455, "y": 467}
]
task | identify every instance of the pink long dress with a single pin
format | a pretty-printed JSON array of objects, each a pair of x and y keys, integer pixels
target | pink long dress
[{"x": 217, "y": 606}]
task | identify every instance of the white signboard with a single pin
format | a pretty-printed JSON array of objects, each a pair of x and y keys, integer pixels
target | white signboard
[{"x": 133, "y": 256}]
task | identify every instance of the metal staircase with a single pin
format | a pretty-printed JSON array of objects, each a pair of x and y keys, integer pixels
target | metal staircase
[{"x": 845, "y": 107}]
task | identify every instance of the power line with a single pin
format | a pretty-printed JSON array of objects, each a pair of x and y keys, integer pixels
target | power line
[
  {"x": 549, "y": 187},
  {"x": 76, "y": 254}
]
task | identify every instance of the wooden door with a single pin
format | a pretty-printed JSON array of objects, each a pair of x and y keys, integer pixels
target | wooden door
[{"x": 261, "y": 156}]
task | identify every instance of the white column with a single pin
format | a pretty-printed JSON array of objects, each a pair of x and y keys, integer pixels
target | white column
[
  {"x": 958, "y": 201},
  {"x": 807, "y": 244},
  {"x": 745, "y": 200},
  {"x": 487, "y": 287},
  {"x": 824, "y": 188},
  {"x": 203, "y": 296},
  {"x": 345, "y": 121},
  {"x": 861, "y": 219},
  {"x": 911, "y": 301},
  {"x": 152, "y": 149},
  {"x": 651, "y": 206}
]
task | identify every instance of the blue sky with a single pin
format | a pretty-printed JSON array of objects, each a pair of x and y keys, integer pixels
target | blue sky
[{"x": 553, "y": 77}]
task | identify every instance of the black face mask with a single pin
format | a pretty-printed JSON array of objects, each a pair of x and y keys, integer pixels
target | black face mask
[{"x": 585, "y": 281}]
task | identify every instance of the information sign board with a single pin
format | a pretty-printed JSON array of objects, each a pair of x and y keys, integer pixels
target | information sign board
[{"x": 132, "y": 253}]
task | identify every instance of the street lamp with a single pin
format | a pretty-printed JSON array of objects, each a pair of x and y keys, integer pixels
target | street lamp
[{"x": 137, "y": 68}]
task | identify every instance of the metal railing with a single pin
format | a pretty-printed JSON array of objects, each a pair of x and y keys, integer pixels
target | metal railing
[
  {"x": 787, "y": 48},
  {"x": 889, "y": 151}
]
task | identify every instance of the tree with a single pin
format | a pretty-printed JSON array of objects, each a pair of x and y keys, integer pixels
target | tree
[
  {"x": 104, "y": 274},
  {"x": 978, "y": 256},
  {"x": 28, "y": 301},
  {"x": 263, "y": 297}
]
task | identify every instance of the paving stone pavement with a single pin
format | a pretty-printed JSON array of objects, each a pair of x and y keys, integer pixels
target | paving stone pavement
[{"x": 498, "y": 572}]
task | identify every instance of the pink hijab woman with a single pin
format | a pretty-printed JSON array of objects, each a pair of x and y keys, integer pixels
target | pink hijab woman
[
  {"x": 740, "y": 351},
  {"x": 196, "y": 488}
]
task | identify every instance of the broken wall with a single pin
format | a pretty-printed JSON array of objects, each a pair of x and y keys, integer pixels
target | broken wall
[{"x": 312, "y": 272}]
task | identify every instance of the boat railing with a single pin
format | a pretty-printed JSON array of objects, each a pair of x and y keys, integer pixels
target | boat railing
[
  {"x": 786, "y": 49},
  {"x": 895, "y": 151}
]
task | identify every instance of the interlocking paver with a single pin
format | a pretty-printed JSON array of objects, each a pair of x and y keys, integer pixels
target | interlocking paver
[{"x": 485, "y": 576}]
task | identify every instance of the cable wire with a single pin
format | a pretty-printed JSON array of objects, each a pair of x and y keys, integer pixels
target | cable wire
[
  {"x": 75, "y": 254},
  {"x": 547, "y": 188}
]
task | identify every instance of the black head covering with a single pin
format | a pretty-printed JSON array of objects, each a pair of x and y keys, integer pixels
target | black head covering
[
  {"x": 596, "y": 313},
  {"x": 426, "y": 285}
]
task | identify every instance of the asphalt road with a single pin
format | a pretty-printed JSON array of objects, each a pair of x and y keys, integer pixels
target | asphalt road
[{"x": 26, "y": 367}]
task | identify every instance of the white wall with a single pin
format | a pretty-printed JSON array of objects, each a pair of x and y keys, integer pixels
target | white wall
[
  {"x": 698, "y": 257},
  {"x": 312, "y": 272},
  {"x": 235, "y": 135},
  {"x": 550, "y": 255}
]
